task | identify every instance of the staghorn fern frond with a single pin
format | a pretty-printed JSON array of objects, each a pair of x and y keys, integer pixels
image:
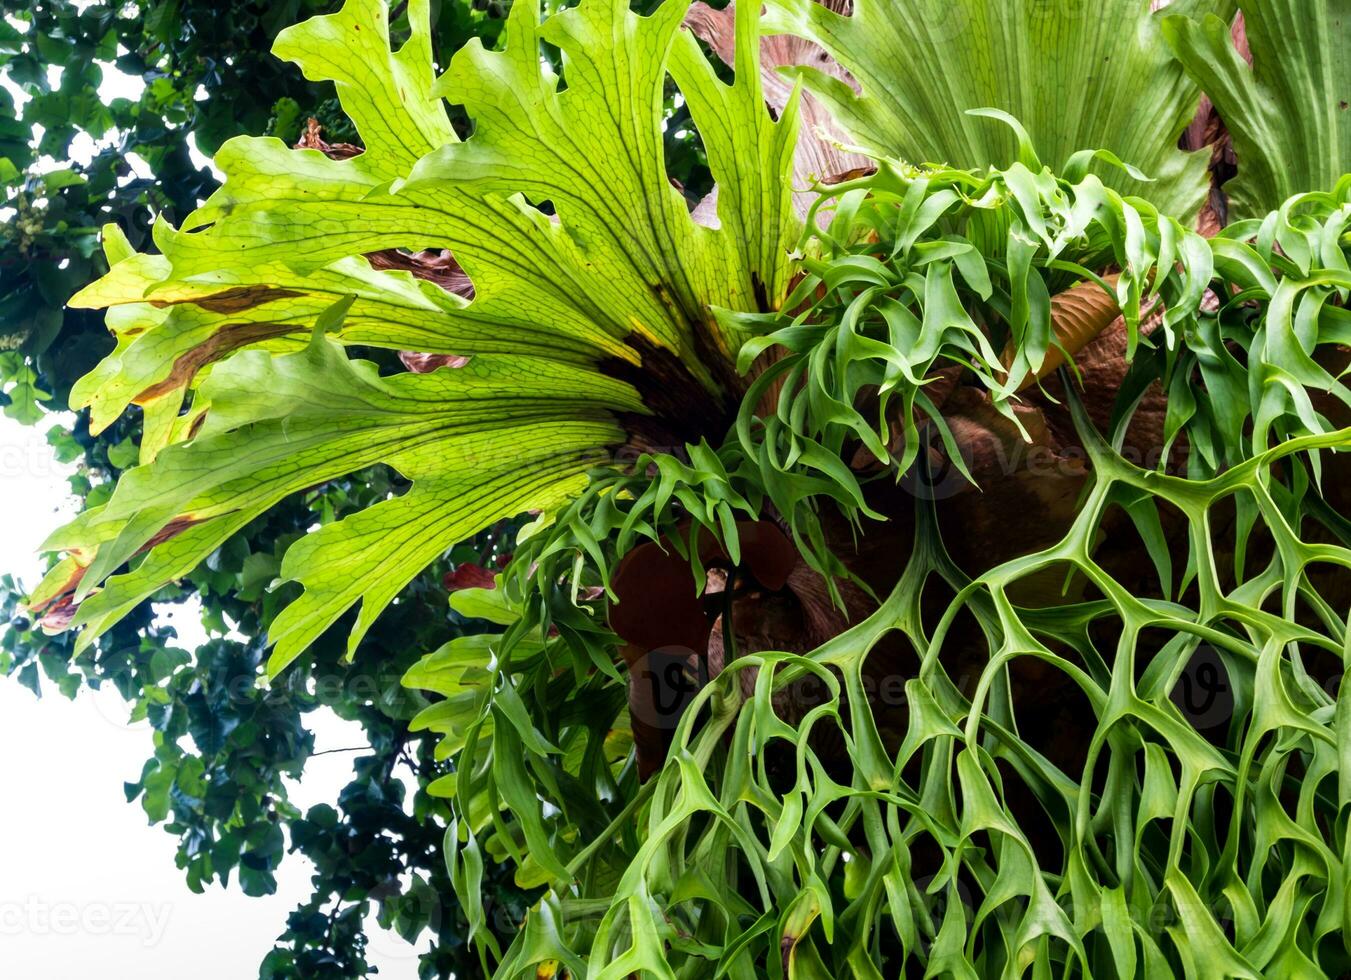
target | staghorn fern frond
[
  {"x": 648, "y": 382},
  {"x": 1289, "y": 111},
  {"x": 616, "y": 310},
  {"x": 1075, "y": 75}
]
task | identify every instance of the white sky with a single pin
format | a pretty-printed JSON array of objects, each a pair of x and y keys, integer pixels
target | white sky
[{"x": 87, "y": 887}]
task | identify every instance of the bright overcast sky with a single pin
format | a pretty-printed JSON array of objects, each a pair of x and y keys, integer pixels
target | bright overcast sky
[{"x": 87, "y": 887}]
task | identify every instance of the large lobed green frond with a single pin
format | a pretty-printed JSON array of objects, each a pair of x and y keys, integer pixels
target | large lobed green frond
[
  {"x": 1076, "y": 75},
  {"x": 588, "y": 274},
  {"x": 1289, "y": 112},
  {"x": 480, "y": 442}
]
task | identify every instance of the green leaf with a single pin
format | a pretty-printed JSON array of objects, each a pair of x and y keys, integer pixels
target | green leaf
[
  {"x": 1075, "y": 78},
  {"x": 274, "y": 425},
  {"x": 21, "y": 392},
  {"x": 562, "y": 310},
  {"x": 1288, "y": 112}
]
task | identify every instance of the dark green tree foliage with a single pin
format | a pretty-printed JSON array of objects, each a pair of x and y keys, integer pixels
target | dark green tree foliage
[
  {"x": 224, "y": 796},
  {"x": 208, "y": 76}
]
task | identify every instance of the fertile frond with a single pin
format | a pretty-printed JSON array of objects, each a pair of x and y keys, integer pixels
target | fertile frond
[{"x": 1015, "y": 738}]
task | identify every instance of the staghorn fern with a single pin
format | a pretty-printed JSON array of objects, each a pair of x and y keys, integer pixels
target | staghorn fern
[
  {"x": 616, "y": 310},
  {"x": 1076, "y": 75},
  {"x": 638, "y": 376},
  {"x": 1170, "y": 843},
  {"x": 1289, "y": 111}
]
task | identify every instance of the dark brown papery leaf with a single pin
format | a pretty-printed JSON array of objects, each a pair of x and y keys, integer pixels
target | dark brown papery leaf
[
  {"x": 436, "y": 266},
  {"x": 469, "y": 576},
  {"x": 312, "y": 139}
]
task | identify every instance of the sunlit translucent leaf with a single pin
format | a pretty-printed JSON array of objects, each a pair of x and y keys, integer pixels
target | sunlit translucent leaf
[{"x": 616, "y": 287}]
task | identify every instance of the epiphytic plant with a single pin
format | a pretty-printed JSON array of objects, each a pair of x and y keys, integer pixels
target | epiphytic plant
[{"x": 876, "y": 546}]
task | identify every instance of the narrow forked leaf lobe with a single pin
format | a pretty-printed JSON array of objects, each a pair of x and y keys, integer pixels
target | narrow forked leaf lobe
[{"x": 1078, "y": 316}]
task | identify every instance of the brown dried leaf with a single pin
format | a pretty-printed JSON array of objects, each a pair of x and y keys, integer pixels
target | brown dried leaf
[{"x": 427, "y": 363}]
